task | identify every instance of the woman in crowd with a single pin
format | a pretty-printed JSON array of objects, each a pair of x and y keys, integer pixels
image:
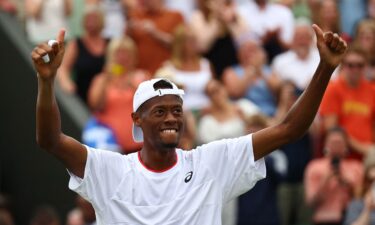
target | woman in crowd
[
  {"x": 216, "y": 26},
  {"x": 84, "y": 56},
  {"x": 111, "y": 93},
  {"x": 188, "y": 69}
]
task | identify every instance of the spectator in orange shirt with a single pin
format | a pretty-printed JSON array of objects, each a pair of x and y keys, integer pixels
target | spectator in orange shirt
[
  {"x": 151, "y": 27},
  {"x": 331, "y": 182},
  {"x": 111, "y": 92},
  {"x": 349, "y": 102}
]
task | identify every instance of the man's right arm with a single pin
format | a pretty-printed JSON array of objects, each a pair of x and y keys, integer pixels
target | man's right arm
[{"x": 48, "y": 125}]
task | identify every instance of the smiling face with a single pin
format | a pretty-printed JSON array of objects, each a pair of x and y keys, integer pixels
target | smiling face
[{"x": 161, "y": 120}]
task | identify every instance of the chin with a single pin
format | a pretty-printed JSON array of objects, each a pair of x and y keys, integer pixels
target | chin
[{"x": 170, "y": 145}]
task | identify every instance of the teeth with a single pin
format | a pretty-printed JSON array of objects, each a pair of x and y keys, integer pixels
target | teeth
[{"x": 169, "y": 131}]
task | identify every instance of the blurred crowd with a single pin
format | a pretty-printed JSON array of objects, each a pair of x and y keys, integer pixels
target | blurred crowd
[{"x": 242, "y": 64}]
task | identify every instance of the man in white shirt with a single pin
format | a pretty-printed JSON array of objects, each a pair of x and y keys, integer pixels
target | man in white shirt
[
  {"x": 299, "y": 63},
  {"x": 161, "y": 184}
]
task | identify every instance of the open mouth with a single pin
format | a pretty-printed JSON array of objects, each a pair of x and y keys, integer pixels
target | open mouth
[{"x": 169, "y": 131}]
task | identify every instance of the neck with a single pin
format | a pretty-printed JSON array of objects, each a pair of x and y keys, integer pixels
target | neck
[
  {"x": 158, "y": 160},
  {"x": 94, "y": 36}
]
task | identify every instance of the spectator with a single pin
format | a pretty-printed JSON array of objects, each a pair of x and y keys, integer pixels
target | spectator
[
  {"x": 111, "y": 93},
  {"x": 188, "y": 69},
  {"x": 8, "y": 6},
  {"x": 365, "y": 38},
  {"x": 251, "y": 78},
  {"x": 115, "y": 15},
  {"x": 186, "y": 8},
  {"x": 271, "y": 22},
  {"x": 352, "y": 12},
  {"x": 328, "y": 17},
  {"x": 151, "y": 27},
  {"x": 223, "y": 119},
  {"x": 371, "y": 9},
  {"x": 259, "y": 205},
  {"x": 299, "y": 63},
  {"x": 330, "y": 182},
  {"x": 45, "y": 18},
  {"x": 45, "y": 215},
  {"x": 84, "y": 56},
  {"x": 216, "y": 26},
  {"x": 349, "y": 102},
  {"x": 361, "y": 210}
]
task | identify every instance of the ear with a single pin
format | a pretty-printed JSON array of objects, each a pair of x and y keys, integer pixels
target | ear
[{"x": 136, "y": 118}]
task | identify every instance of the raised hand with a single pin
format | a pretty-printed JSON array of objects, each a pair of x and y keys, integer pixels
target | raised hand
[
  {"x": 331, "y": 47},
  {"x": 55, "y": 54}
]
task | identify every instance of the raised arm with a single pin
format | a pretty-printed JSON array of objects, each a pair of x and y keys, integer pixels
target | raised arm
[
  {"x": 48, "y": 125},
  {"x": 299, "y": 118}
]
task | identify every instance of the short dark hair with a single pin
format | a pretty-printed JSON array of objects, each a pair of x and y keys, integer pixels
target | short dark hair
[{"x": 337, "y": 129}]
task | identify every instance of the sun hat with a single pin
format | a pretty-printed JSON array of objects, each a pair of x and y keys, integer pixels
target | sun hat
[{"x": 145, "y": 92}]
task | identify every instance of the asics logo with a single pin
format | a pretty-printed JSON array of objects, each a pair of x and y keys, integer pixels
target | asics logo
[{"x": 188, "y": 177}]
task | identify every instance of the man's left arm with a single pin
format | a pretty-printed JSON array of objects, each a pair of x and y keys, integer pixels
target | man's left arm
[{"x": 299, "y": 118}]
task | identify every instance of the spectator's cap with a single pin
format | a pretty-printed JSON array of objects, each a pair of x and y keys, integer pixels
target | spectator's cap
[{"x": 145, "y": 91}]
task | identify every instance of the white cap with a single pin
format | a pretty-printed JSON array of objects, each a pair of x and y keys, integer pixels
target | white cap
[{"x": 145, "y": 92}]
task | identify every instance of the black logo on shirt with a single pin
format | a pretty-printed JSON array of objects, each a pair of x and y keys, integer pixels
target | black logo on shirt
[{"x": 188, "y": 176}]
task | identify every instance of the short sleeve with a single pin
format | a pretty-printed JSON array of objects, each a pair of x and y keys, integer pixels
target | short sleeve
[
  {"x": 102, "y": 175},
  {"x": 232, "y": 163}
]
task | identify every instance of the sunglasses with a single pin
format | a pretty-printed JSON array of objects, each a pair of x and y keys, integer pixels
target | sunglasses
[{"x": 352, "y": 65}]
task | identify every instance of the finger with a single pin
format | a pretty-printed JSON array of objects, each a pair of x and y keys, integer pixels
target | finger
[
  {"x": 61, "y": 36},
  {"x": 328, "y": 36},
  {"x": 335, "y": 41},
  {"x": 36, "y": 57},
  {"x": 318, "y": 32}
]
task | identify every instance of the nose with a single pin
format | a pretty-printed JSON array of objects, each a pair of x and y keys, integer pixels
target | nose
[{"x": 170, "y": 118}]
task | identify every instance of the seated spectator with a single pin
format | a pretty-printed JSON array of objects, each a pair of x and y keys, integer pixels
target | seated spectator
[
  {"x": 217, "y": 27},
  {"x": 188, "y": 69},
  {"x": 83, "y": 214},
  {"x": 84, "y": 56},
  {"x": 271, "y": 22},
  {"x": 259, "y": 205},
  {"x": 115, "y": 15},
  {"x": 299, "y": 63},
  {"x": 365, "y": 37},
  {"x": 186, "y": 8},
  {"x": 223, "y": 119},
  {"x": 361, "y": 211},
  {"x": 349, "y": 102},
  {"x": 45, "y": 18},
  {"x": 332, "y": 181},
  {"x": 251, "y": 78},
  {"x": 151, "y": 27},
  {"x": 111, "y": 93},
  {"x": 45, "y": 215}
]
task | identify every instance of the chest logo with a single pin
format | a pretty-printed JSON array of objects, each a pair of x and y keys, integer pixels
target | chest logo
[{"x": 188, "y": 177}]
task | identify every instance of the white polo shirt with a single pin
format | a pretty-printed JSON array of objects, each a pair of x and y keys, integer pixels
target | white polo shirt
[{"x": 123, "y": 191}]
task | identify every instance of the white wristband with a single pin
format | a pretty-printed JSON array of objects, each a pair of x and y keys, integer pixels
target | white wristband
[{"x": 46, "y": 57}]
